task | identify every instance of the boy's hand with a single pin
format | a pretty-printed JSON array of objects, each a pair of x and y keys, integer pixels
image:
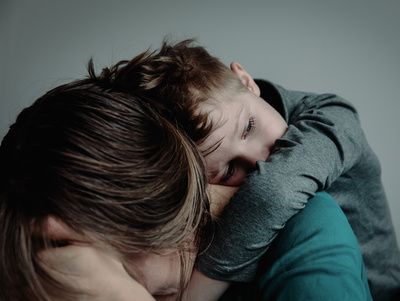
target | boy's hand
[
  {"x": 98, "y": 275},
  {"x": 201, "y": 287},
  {"x": 219, "y": 197}
]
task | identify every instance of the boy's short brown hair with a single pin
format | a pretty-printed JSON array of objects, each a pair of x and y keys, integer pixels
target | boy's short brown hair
[{"x": 176, "y": 79}]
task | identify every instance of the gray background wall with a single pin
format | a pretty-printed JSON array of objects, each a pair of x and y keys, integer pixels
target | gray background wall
[{"x": 349, "y": 47}]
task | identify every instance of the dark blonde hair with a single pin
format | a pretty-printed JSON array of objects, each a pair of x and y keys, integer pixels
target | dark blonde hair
[
  {"x": 178, "y": 77},
  {"x": 104, "y": 162}
]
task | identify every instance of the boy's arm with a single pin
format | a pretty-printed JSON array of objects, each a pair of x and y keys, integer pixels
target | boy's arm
[
  {"x": 203, "y": 288},
  {"x": 323, "y": 141}
]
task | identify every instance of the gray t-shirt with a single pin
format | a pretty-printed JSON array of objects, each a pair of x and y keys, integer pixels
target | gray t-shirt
[{"x": 324, "y": 148}]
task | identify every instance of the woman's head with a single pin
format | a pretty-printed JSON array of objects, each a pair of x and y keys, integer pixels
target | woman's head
[{"x": 104, "y": 162}]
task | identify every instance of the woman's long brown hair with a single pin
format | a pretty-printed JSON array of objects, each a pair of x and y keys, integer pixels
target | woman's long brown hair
[{"x": 104, "y": 162}]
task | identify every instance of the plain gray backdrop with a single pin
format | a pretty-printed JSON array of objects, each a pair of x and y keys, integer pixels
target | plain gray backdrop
[{"x": 347, "y": 47}]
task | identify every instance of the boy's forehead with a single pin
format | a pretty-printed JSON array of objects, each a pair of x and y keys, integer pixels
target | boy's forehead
[
  {"x": 219, "y": 112},
  {"x": 217, "y": 118},
  {"x": 224, "y": 119},
  {"x": 219, "y": 146},
  {"x": 209, "y": 105}
]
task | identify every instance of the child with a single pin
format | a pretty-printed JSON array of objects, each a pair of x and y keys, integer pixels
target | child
[{"x": 241, "y": 127}]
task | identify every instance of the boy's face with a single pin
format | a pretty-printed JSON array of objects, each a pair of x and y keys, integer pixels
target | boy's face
[{"x": 245, "y": 132}]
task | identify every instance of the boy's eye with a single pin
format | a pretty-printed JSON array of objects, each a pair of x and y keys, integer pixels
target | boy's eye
[
  {"x": 250, "y": 127},
  {"x": 228, "y": 175}
]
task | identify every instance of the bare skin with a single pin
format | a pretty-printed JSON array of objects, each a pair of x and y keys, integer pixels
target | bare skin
[{"x": 101, "y": 274}]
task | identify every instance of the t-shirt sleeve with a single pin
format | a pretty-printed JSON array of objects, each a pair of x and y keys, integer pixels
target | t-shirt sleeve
[
  {"x": 324, "y": 140},
  {"x": 315, "y": 257}
]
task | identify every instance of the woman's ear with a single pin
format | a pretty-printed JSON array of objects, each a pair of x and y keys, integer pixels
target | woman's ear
[{"x": 245, "y": 78}]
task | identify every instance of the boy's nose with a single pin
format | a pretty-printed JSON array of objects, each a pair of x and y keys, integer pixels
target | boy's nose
[
  {"x": 248, "y": 162},
  {"x": 249, "y": 157},
  {"x": 245, "y": 162}
]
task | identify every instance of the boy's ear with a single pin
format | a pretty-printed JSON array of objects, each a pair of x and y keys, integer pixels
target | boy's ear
[{"x": 246, "y": 79}]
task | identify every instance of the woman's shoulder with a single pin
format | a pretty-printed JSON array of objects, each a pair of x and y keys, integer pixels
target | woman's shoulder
[{"x": 316, "y": 256}]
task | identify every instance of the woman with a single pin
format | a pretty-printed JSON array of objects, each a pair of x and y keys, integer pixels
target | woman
[
  {"x": 119, "y": 197},
  {"x": 103, "y": 162}
]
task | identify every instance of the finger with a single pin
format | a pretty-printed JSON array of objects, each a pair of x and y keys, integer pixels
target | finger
[
  {"x": 219, "y": 197},
  {"x": 57, "y": 230}
]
